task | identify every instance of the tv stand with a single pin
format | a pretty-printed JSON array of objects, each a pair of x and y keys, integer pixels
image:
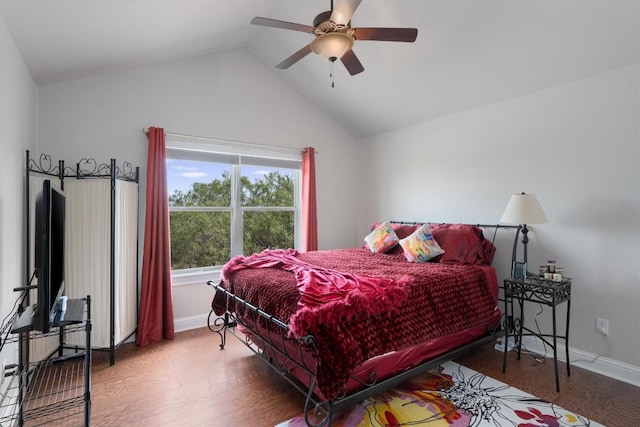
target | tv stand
[
  {"x": 24, "y": 323},
  {"x": 73, "y": 313},
  {"x": 53, "y": 389}
]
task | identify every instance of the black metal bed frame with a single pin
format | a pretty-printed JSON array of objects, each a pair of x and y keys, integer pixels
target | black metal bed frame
[
  {"x": 323, "y": 409},
  {"x": 88, "y": 169},
  {"x": 273, "y": 337}
]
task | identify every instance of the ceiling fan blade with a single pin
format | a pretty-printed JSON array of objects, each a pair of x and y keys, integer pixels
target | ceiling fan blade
[
  {"x": 294, "y": 58},
  {"x": 352, "y": 63},
  {"x": 267, "y": 22},
  {"x": 387, "y": 34},
  {"x": 343, "y": 11}
]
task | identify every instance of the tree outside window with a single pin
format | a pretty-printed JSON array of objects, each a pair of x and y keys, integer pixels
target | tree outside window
[{"x": 218, "y": 210}]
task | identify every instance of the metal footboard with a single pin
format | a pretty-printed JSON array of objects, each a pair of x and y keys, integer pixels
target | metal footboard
[
  {"x": 273, "y": 336},
  {"x": 272, "y": 349}
]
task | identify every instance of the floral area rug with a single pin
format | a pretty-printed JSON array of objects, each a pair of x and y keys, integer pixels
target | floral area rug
[{"x": 453, "y": 396}]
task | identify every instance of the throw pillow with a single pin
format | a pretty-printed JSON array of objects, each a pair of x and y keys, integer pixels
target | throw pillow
[
  {"x": 420, "y": 246},
  {"x": 382, "y": 238}
]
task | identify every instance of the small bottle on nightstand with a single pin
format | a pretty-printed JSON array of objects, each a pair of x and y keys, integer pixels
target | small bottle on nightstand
[
  {"x": 551, "y": 266},
  {"x": 542, "y": 270}
]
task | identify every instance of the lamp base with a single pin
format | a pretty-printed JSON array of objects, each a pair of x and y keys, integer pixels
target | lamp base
[{"x": 525, "y": 240}]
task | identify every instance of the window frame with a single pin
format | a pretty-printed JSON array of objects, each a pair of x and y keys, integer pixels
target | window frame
[{"x": 262, "y": 156}]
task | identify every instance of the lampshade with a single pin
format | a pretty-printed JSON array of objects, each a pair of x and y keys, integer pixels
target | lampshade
[
  {"x": 523, "y": 209},
  {"x": 332, "y": 45}
]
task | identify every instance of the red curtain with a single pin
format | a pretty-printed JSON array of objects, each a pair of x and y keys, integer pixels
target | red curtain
[
  {"x": 156, "y": 308},
  {"x": 309, "y": 215}
]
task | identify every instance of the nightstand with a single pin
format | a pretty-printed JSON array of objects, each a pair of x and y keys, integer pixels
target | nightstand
[{"x": 538, "y": 290}]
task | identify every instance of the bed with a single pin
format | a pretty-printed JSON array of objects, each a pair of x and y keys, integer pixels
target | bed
[{"x": 344, "y": 324}]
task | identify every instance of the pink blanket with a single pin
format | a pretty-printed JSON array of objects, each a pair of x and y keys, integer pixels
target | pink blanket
[{"x": 326, "y": 295}]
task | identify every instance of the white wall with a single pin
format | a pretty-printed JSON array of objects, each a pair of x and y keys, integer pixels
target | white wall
[
  {"x": 17, "y": 134},
  {"x": 228, "y": 95},
  {"x": 576, "y": 147}
]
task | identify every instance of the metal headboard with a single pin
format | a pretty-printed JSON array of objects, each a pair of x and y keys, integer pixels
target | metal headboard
[{"x": 495, "y": 227}]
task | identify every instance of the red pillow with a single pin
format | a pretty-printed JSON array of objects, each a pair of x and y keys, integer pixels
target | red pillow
[{"x": 463, "y": 244}]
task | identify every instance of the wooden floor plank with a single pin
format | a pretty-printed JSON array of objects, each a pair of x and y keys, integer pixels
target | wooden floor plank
[{"x": 191, "y": 382}]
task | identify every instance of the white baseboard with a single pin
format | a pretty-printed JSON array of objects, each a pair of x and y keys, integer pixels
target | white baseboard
[
  {"x": 601, "y": 365},
  {"x": 181, "y": 325},
  {"x": 191, "y": 322}
]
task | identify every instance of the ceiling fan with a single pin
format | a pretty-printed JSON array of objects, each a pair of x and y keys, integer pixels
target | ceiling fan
[{"x": 334, "y": 36}]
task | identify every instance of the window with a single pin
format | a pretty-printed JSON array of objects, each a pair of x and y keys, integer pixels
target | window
[{"x": 225, "y": 202}]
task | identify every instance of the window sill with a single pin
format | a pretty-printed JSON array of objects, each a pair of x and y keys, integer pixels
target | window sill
[{"x": 198, "y": 278}]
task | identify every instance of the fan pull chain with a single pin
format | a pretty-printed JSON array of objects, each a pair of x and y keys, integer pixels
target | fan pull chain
[{"x": 331, "y": 74}]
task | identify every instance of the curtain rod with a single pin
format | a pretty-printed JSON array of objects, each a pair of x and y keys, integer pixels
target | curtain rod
[{"x": 228, "y": 141}]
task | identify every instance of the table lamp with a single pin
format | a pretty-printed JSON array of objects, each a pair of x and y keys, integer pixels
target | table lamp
[{"x": 521, "y": 210}]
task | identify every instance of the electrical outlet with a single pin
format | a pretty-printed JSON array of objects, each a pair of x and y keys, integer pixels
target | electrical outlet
[{"x": 602, "y": 326}]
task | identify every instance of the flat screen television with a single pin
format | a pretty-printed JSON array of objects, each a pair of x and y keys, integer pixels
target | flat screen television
[{"x": 49, "y": 253}]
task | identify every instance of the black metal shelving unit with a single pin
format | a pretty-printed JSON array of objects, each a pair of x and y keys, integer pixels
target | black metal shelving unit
[{"x": 54, "y": 391}]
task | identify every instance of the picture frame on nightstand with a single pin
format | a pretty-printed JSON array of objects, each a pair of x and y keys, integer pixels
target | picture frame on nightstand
[{"x": 519, "y": 271}]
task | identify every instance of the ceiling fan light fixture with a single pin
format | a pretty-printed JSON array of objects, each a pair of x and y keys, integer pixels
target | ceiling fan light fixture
[{"x": 332, "y": 46}]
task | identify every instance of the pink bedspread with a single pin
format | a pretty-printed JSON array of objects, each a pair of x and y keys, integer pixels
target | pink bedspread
[
  {"x": 440, "y": 299},
  {"x": 326, "y": 295}
]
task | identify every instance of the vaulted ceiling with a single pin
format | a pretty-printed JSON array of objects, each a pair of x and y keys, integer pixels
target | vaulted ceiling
[{"x": 467, "y": 54}]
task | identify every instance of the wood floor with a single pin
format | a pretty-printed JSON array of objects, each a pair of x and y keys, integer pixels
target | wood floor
[{"x": 191, "y": 382}]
